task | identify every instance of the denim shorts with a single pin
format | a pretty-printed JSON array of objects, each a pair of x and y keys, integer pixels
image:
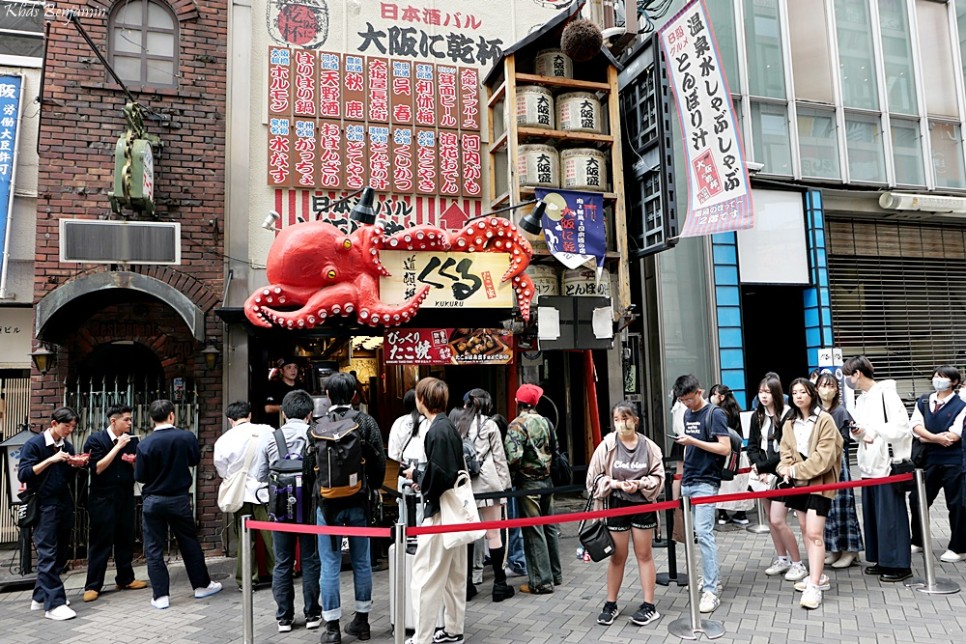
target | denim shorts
[{"x": 642, "y": 521}]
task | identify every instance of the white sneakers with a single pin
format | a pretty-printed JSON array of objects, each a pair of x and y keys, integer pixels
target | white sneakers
[
  {"x": 951, "y": 557},
  {"x": 709, "y": 602},
  {"x": 812, "y": 597},
  {"x": 161, "y": 602},
  {"x": 916, "y": 549},
  {"x": 796, "y": 572},
  {"x": 823, "y": 584},
  {"x": 213, "y": 587},
  {"x": 35, "y": 605},
  {"x": 61, "y": 613},
  {"x": 778, "y": 566}
]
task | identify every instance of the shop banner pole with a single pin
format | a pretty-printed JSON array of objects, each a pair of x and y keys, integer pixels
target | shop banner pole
[
  {"x": 245, "y": 548},
  {"x": 690, "y": 627},
  {"x": 930, "y": 584}
]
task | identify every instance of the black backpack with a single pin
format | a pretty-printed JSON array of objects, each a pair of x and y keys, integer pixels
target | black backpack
[
  {"x": 733, "y": 460},
  {"x": 334, "y": 454},
  {"x": 286, "y": 501}
]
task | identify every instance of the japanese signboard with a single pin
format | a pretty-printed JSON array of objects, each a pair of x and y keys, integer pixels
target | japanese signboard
[
  {"x": 719, "y": 196},
  {"x": 11, "y": 90},
  {"x": 448, "y": 346},
  {"x": 573, "y": 226},
  {"x": 456, "y": 280}
]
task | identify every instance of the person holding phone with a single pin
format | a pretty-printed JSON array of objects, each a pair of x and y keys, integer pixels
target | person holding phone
[{"x": 110, "y": 503}]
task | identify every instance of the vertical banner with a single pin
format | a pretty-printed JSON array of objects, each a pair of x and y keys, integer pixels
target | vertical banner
[
  {"x": 401, "y": 94},
  {"x": 379, "y": 157},
  {"x": 426, "y": 94},
  {"x": 403, "y": 177},
  {"x": 449, "y": 163},
  {"x": 279, "y": 151},
  {"x": 279, "y": 81},
  {"x": 573, "y": 226},
  {"x": 305, "y": 95},
  {"x": 331, "y": 153},
  {"x": 11, "y": 91},
  {"x": 304, "y": 157},
  {"x": 356, "y": 167},
  {"x": 330, "y": 85},
  {"x": 378, "y": 90},
  {"x": 472, "y": 164},
  {"x": 426, "y": 162},
  {"x": 719, "y": 196},
  {"x": 469, "y": 99},
  {"x": 448, "y": 105},
  {"x": 355, "y": 87}
]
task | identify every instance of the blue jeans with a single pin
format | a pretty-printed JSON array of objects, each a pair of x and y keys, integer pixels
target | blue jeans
[
  {"x": 332, "y": 564},
  {"x": 515, "y": 557},
  {"x": 283, "y": 543},
  {"x": 541, "y": 543},
  {"x": 161, "y": 513},
  {"x": 704, "y": 532}
]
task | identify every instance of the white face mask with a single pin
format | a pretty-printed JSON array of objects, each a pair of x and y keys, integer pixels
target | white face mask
[
  {"x": 624, "y": 426},
  {"x": 827, "y": 394},
  {"x": 942, "y": 384}
]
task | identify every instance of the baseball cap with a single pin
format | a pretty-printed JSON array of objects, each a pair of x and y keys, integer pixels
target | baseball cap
[{"x": 529, "y": 394}]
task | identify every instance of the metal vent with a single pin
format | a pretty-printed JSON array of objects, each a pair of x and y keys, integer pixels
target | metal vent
[{"x": 119, "y": 242}]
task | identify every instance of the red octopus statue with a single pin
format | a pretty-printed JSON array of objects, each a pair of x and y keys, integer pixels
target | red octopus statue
[{"x": 316, "y": 271}]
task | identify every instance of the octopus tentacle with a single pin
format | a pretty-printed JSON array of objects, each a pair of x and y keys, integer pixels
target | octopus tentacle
[
  {"x": 525, "y": 291},
  {"x": 260, "y": 305},
  {"x": 372, "y": 311}
]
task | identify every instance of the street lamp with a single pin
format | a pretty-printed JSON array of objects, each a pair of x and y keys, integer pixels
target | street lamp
[
  {"x": 363, "y": 212},
  {"x": 43, "y": 358},
  {"x": 211, "y": 353}
]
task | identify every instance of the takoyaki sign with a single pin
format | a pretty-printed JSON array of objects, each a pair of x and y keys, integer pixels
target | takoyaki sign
[{"x": 448, "y": 346}]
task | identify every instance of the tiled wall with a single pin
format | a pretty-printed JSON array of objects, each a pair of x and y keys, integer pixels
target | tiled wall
[{"x": 818, "y": 312}]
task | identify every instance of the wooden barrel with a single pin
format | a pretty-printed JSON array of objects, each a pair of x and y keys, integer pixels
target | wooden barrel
[
  {"x": 538, "y": 165},
  {"x": 584, "y": 169},
  {"x": 553, "y": 62},
  {"x": 579, "y": 112},
  {"x": 535, "y": 107},
  {"x": 582, "y": 281}
]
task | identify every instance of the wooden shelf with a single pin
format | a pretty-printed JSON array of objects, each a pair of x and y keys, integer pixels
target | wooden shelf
[
  {"x": 497, "y": 95},
  {"x": 529, "y": 190},
  {"x": 562, "y": 135},
  {"x": 558, "y": 81},
  {"x": 500, "y": 200},
  {"x": 499, "y": 143}
]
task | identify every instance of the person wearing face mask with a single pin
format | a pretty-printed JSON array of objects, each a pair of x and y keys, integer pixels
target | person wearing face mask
[
  {"x": 884, "y": 435},
  {"x": 843, "y": 537},
  {"x": 627, "y": 469},
  {"x": 937, "y": 422}
]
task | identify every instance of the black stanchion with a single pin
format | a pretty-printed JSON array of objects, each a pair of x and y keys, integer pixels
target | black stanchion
[{"x": 671, "y": 576}]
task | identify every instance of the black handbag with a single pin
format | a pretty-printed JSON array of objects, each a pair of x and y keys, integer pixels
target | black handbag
[
  {"x": 905, "y": 466},
  {"x": 28, "y": 512},
  {"x": 594, "y": 536},
  {"x": 561, "y": 471}
]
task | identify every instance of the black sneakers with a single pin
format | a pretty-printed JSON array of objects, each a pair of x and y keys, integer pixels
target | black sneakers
[
  {"x": 332, "y": 634},
  {"x": 443, "y": 636},
  {"x": 646, "y": 614},
  {"x": 359, "y": 626},
  {"x": 608, "y": 614}
]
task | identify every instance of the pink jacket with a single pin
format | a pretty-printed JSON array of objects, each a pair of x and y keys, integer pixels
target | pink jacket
[{"x": 603, "y": 458}]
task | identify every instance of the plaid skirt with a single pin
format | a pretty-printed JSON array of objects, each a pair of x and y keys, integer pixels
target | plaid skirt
[{"x": 842, "y": 532}]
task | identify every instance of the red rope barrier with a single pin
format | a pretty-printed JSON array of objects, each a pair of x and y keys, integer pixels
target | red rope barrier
[
  {"x": 743, "y": 496},
  {"x": 744, "y": 470},
  {"x": 334, "y": 530}
]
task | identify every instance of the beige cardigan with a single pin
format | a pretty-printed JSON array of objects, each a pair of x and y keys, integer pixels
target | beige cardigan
[
  {"x": 824, "y": 453},
  {"x": 603, "y": 458}
]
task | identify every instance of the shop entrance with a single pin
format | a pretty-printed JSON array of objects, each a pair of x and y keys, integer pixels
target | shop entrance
[{"x": 773, "y": 320}]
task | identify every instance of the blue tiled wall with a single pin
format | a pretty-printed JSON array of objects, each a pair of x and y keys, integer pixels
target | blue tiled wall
[
  {"x": 818, "y": 312},
  {"x": 731, "y": 353}
]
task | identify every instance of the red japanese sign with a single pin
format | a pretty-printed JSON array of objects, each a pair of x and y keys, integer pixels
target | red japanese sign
[
  {"x": 330, "y": 85},
  {"x": 378, "y": 90},
  {"x": 469, "y": 93},
  {"x": 449, "y": 163},
  {"x": 279, "y": 81},
  {"x": 448, "y": 346},
  {"x": 355, "y": 87},
  {"x": 331, "y": 152},
  {"x": 356, "y": 168},
  {"x": 472, "y": 165},
  {"x": 306, "y": 79},
  {"x": 403, "y": 175},
  {"x": 426, "y": 94},
  {"x": 401, "y": 93},
  {"x": 304, "y": 154},
  {"x": 448, "y": 105},
  {"x": 279, "y": 152},
  {"x": 379, "y": 158},
  {"x": 426, "y": 174}
]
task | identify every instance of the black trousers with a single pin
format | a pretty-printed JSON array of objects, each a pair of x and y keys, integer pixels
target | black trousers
[
  {"x": 111, "y": 528},
  {"x": 52, "y": 539},
  {"x": 948, "y": 478},
  {"x": 174, "y": 512}
]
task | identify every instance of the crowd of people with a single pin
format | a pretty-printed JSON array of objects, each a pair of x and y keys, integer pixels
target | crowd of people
[{"x": 795, "y": 440}]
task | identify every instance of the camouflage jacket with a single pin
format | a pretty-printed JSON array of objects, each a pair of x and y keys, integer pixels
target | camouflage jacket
[{"x": 527, "y": 445}]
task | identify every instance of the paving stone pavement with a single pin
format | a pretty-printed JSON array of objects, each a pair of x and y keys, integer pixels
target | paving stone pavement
[{"x": 754, "y": 608}]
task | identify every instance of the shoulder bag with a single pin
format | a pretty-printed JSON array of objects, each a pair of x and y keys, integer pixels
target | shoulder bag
[
  {"x": 457, "y": 506},
  {"x": 231, "y": 492},
  {"x": 905, "y": 466},
  {"x": 594, "y": 536}
]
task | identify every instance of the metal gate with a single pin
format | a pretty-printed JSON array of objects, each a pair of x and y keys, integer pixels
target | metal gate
[{"x": 91, "y": 399}]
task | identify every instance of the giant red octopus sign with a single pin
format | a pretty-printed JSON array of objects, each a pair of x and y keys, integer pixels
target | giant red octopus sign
[{"x": 316, "y": 271}]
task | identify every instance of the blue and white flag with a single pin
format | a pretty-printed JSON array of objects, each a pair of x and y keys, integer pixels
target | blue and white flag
[{"x": 573, "y": 226}]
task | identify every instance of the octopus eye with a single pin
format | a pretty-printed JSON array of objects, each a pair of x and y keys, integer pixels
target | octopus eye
[
  {"x": 347, "y": 244},
  {"x": 331, "y": 274}
]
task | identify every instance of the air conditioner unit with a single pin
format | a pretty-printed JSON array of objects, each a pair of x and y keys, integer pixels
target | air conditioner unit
[{"x": 90, "y": 241}]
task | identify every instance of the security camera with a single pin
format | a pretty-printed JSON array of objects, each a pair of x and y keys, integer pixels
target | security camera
[
  {"x": 271, "y": 219},
  {"x": 754, "y": 167}
]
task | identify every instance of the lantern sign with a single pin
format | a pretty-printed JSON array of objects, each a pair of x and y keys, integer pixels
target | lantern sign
[{"x": 448, "y": 346}]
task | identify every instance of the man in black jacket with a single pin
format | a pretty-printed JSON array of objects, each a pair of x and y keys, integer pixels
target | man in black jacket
[
  {"x": 164, "y": 462},
  {"x": 438, "y": 573},
  {"x": 349, "y": 511},
  {"x": 111, "y": 504}
]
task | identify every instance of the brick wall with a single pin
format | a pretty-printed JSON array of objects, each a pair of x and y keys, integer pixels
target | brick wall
[{"x": 81, "y": 120}]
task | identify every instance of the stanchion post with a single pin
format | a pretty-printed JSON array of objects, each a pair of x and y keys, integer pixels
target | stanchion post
[
  {"x": 399, "y": 592},
  {"x": 665, "y": 578},
  {"x": 930, "y": 584},
  {"x": 245, "y": 552},
  {"x": 762, "y": 526},
  {"x": 690, "y": 627}
]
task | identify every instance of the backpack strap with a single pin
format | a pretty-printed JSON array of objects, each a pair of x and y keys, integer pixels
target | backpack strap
[{"x": 280, "y": 444}]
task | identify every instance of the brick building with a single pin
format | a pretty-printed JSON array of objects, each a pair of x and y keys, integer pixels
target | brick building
[{"x": 125, "y": 331}]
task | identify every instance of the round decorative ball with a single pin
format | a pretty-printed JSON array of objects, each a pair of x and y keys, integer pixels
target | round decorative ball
[{"x": 581, "y": 40}]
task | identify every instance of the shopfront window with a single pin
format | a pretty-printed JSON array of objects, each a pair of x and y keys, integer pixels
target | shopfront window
[
  {"x": 863, "y": 140},
  {"x": 947, "y": 154},
  {"x": 769, "y": 122},
  {"x": 938, "y": 64},
  {"x": 722, "y": 15},
  {"x": 766, "y": 76},
  {"x": 856, "y": 62},
  {"x": 811, "y": 61},
  {"x": 897, "y": 55},
  {"x": 818, "y": 144},
  {"x": 907, "y": 151}
]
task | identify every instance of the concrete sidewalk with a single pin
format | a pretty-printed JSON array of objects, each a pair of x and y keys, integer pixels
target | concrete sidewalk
[{"x": 754, "y": 607}]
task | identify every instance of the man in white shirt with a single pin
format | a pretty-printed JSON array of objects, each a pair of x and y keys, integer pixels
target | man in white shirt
[{"x": 231, "y": 452}]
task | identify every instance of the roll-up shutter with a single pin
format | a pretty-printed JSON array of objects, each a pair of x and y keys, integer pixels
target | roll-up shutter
[{"x": 898, "y": 296}]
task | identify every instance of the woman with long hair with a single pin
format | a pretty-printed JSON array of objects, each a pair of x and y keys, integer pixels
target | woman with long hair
[
  {"x": 843, "y": 537},
  {"x": 724, "y": 398},
  {"x": 627, "y": 469},
  {"x": 477, "y": 424},
  {"x": 764, "y": 440},
  {"x": 405, "y": 446},
  {"x": 811, "y": 452}
]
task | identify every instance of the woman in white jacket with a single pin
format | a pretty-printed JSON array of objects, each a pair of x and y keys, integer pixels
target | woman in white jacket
[
  {"x": 477, "y": 424},
  {"x": 884, "y": 436}
]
